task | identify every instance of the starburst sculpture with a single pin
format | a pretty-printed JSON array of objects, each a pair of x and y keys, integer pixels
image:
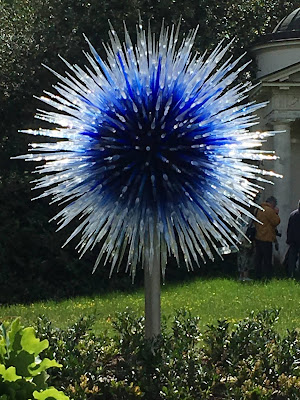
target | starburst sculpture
[{"x": 152, "y": 151}]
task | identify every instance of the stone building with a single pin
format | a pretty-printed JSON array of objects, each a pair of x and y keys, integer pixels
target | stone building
[{"x": 278, "y": 61}]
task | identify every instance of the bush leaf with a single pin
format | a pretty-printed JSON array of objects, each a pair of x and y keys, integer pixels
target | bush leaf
[
  {"x": 9, "y": 374},
  {"x": 31, "y": 344},
  {"x": 36, "y": 369},
  {"x": 50, "y": 393}
]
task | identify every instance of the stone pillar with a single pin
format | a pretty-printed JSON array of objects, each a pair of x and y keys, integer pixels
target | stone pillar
[{"x": 282, "y": 187}]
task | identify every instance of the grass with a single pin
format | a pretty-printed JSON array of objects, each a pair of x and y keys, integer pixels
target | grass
[{"x": 210, "y": 299}]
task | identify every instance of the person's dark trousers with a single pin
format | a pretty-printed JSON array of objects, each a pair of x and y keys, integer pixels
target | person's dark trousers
[
  {"x": 293, "y": 256},
  {"x": 263, "y": 259}
]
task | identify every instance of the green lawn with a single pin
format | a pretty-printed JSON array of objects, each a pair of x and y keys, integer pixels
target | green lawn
[{"x": 211, "y": 299}]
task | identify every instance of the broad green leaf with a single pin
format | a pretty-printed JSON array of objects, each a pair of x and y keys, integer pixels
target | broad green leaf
[
  {"x": 22, "y": 360},
  {"x": 4, "y": 343},
  {"x": 40, "y": 380},
  {"x": 13, "y": 335},
  {"x": 31, "y": 344},
  {"x": 36, "y": 369},
  {"x": 9, "y": 374},
  {"x": 3, "y": 349},
  {"x": 50, "y": 393}
]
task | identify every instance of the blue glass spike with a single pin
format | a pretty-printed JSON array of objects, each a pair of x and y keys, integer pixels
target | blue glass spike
[{"x": 148, "y": 151}]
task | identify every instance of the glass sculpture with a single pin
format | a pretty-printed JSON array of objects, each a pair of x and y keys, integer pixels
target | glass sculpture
[{"x": 153, "y": 153}]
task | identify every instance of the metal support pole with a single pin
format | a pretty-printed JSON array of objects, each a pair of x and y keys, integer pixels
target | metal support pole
[{"x": 152, "y": 300}]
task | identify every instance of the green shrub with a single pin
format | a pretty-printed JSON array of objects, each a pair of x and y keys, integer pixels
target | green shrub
[
  {"x": 82, "y": 355},
  {"x": 22, "y": 372},
  {"x": 246, "y": 360}
]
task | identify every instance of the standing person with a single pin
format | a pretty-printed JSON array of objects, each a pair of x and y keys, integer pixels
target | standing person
[
  {"x": 293, "y": 239},
  {"x": 265, "y": 236}
]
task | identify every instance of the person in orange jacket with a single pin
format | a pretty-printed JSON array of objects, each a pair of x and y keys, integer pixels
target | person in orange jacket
[{"x": 265, "y": 236}]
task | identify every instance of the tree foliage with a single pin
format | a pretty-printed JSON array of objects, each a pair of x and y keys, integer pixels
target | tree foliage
[{"x": 35, "y": 31}]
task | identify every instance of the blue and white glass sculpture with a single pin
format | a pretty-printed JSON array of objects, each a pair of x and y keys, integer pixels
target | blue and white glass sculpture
[{"x": 152, "y": 151}]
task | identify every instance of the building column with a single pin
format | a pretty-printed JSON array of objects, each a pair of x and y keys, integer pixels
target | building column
[{"x": 282, "y": 187}]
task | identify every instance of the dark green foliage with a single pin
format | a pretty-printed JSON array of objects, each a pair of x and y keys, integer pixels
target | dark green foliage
[
  {"x": 33, "y": 265},
  {"x": 34, "y": 32},
  {"x": 241, "y": 361}
]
